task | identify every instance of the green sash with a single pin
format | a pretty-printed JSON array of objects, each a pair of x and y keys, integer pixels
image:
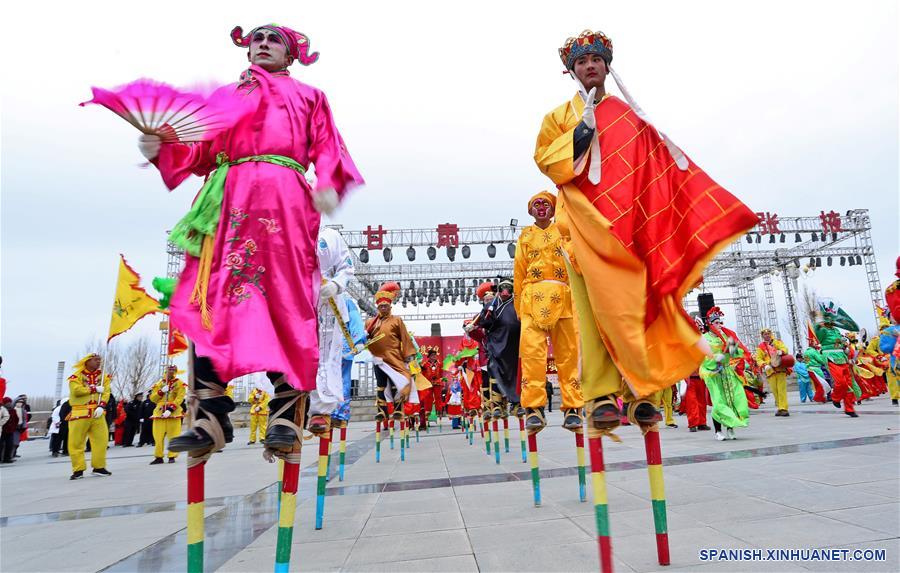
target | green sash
[{"x": 203, "y": 218}]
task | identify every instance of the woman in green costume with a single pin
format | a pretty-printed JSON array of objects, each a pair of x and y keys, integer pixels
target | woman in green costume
[{"x": 729, "y": 401}]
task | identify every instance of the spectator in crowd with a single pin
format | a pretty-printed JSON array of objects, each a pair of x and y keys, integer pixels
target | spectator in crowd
[
  {"x": 549, "y": 388},
  {"x": 23, "y": 411},
  {"x": 54, "y": 423},
  {"x": 64, "y": 412},
  {"x": 147, "y": 407},
  {"x": 132, "y": 419},
  {"x": 7, "y": 449}
]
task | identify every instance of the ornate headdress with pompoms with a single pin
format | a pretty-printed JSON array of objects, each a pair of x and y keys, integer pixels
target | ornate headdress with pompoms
[
  {"x": 297, "y": 43},
  {"x": 587, "y": 42}
]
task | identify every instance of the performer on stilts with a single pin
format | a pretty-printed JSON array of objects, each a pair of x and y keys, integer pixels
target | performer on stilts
[
  {"x": 502, "y": 330},
  {"x": 168, "y": 394},
  {"x": 340, "y": 418},
  {"x": 544, "y": 307},
  {"x": 729, "y": 401},
  {"x": 827, "y": 320},
  {"x": 392, "y": 350},
  {"x": 336, "y": 268},
  {"x": 642, "y": 222},
  {"x": 889, "y": 336},
  {"x": 248, "y": 294}
]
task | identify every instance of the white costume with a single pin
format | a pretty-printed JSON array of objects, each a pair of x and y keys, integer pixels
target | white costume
[{"x": 336, "y": 267}]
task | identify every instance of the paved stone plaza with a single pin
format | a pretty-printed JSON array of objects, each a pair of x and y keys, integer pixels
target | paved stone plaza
[{"x": 816, "y": 479}]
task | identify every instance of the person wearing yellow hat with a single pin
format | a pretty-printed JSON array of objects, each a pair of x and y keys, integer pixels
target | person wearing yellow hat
[
  {"x": 89, "y": 393},
  {"x": 768, "y": 357},
  {"x": 544, "y": 307},
  {"x": 643, "y": 221},
  {"x": 392, "y": 350},
  {"x": 168, "y": 394},
  {"x": 259, "y": 414}
]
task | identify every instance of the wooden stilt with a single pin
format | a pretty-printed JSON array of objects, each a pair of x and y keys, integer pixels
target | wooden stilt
[
  {"x": 322, "y": 479},
  {"x": 496, "y": 432},
  {"x": 601, "y": 510},
  {"x": 579, "y": 451},
  {"x": 378, "y": 441},
  {"x": 535, "y": 471},
  {"x": 657, "y": 494},
  {"x": 196, "y": 502},
  {"x": 402, "y": 442},
  {"x": 342, "y": 451},
  {"x": 522, "y": 439},
  {"x": 506, "y": 435}
]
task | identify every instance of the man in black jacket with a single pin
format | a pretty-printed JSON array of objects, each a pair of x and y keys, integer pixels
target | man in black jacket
[
  {"x": 146, "y": 423},
  {"x": 132, "y": 419},
  {"x": 502, "y": 328}
]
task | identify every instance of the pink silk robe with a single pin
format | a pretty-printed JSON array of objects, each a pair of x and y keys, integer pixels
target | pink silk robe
[{"x": 264, "y": 281}]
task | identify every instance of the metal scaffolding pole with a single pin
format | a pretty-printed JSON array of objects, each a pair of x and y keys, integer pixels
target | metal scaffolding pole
[
  {"x": 793, "y": 315},
  {"x": 864, "y": 244},
  {"x": 771, "y": 312},
  {"x": 173, "y": 268}
]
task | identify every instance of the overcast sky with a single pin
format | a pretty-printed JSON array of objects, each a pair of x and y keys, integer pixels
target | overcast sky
[{"x": 792, "y": 106}]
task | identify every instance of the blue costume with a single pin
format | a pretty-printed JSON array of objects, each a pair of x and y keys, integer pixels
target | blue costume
[
  {"x": 803, "y": 381},
  {"x": 358, "y": 333}
]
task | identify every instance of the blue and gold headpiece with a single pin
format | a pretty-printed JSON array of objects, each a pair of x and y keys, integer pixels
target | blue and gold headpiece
[{"x": 587, "y": 42}]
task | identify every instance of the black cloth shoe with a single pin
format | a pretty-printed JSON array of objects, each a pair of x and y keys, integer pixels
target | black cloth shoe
[
  {"x": 693, "y": 428},
  {"x": 101, "y": 471},
  {"x": 895, "y": 402},
  {"x": 644, "y": 413},
  {"x": 836, "y": 404},
  {"x": 671, "y": 425},
  {"x": 171, "y": 460},
  {"x": 605, "y": 416},
  {"x": 197, "y": 439},
  {"x": 534, "y": 419},
  {"x": 703, "y": 427},
  {"x": 520, "y": 411},
  {"x": 280, "y": 437},
  {"x": 852, "y": 414},
  {"x": 77, "y": 475},
  {"x": 572, "y": 420},
  {"x": 156, "y": 461}
]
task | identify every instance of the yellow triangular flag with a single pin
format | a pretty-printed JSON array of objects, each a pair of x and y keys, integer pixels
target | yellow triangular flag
[{"x": 132, "y": 302}]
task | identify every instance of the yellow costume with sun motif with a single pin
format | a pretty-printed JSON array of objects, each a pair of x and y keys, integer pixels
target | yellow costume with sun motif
[{"x": 544, "y": 304}]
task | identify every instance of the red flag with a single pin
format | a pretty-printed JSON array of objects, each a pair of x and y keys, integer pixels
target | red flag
[{"x": 177, "y": 343}]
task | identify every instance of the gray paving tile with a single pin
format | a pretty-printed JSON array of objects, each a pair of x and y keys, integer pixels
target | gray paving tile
[
  {"x": 419, "y": 522},
  {"x": 542, "y": 556},
  {"x": 323, "y": 556},
  {"x": 454, "y": 564},
  {"x": 549, "y": 532},
  {"x": 884, "y": 518},
  {"x": 806, "y": 530},
  {"x": 409, "y": 546}
]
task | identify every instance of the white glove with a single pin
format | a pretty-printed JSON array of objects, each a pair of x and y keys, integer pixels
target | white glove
[
  {"x": 166, "y": 414},
  {"x": 325, "y": 200},
  {"x": 359, "y": 348},
  {"x": 328, "y": 290},
  {"x": 719, "y": 358},
  {"x": 98, "y": 413},
  {"x": 587, "y": 116},
  {"x": 99, "y": 389},
  {"x": 469, "y": 327},
  {"x": 149, "y": 146}
]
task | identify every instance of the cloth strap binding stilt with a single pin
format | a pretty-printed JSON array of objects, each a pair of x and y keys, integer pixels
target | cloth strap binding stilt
[
  {"x": 605, "y": 432},
  {"x": 632, "y": 408},
  {"x": 293, "y": 397},
  {"x": 209, "y": 423}
]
